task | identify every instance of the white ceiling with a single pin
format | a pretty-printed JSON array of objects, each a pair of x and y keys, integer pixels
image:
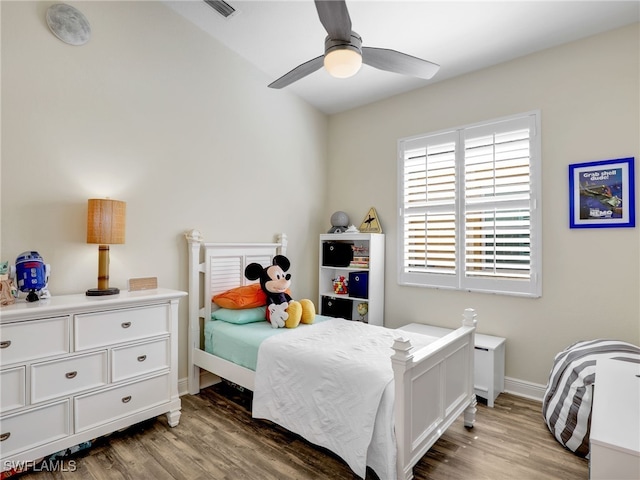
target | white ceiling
[{"x": 461, "y": 37}]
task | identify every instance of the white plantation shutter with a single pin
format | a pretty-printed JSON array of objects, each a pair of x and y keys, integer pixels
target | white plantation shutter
[
  {"x": 469, "y": 208},
  {"x": 429, "y": 224}
]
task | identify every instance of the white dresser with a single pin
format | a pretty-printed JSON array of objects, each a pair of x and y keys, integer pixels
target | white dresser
[
  {"x": 73, "y": 368},
  {"x": 488, "y": 361},
  {"x": 615, "y": 421}
]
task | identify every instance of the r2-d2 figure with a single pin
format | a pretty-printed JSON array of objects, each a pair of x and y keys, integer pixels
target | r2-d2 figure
[{"x": 32, "y": 275}]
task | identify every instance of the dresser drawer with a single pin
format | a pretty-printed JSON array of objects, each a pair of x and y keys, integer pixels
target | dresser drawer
[
  {"x": 12, "y": 382},
  {"x": 63, "y": 377},
  {"x": 117, "y": 326},
  {"x": 97, "y": 408},
  {"x": 35, "y": 427},
  {"x": 138, "y": 359},
  {"x": 21, "y": 342}
]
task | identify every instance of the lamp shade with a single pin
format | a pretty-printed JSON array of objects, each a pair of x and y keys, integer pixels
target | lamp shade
[{"x": 106, "y": 221}]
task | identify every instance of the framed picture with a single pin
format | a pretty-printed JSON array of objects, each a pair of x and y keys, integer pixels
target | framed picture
[{"x": 601, "y": 194}]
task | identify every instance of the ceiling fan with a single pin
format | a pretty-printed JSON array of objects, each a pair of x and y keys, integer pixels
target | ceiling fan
[{"x": 344, "y": 53}]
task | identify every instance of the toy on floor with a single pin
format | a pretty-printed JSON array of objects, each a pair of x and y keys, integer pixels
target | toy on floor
[{"x": 282, "y": 310}]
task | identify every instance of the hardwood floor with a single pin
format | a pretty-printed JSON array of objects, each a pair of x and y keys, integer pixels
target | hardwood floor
[{"x": 218, "y": 439}]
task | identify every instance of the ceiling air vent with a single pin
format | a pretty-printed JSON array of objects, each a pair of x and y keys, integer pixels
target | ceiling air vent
[{"x": 222, "y": 7}]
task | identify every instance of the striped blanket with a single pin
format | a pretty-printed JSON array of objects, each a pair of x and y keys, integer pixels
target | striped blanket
[{"x": 569, "y": 394}]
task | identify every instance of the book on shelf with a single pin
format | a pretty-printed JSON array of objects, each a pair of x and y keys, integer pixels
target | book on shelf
[{"x": 359, "y": 262}]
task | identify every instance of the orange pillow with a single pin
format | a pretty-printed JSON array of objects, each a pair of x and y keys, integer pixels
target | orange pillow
[{"x": 248, "y": 296}]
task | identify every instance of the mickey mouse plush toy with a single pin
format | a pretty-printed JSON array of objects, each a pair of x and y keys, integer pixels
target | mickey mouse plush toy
[{"x": 282, "y": 310}]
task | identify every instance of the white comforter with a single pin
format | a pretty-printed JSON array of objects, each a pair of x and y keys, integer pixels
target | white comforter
[{"x": 333, "y": 385}]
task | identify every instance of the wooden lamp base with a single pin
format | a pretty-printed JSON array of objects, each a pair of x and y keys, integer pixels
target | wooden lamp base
[
  {"x": 103, "y": 275},
  {"x": 97, "y": 292}
]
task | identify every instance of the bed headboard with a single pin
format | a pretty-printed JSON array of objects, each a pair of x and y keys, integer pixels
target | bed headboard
[
  {"x": 217, "y": 267},
  {"x": 222, "y": 267}
]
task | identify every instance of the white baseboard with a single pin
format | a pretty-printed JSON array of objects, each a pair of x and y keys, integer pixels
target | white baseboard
[
  {"x": 183, "y": 386},
  {"x": 521, "y": 388}
]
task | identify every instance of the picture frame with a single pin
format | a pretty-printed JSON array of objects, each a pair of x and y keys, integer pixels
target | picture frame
[{"x": 602, "y": 194}]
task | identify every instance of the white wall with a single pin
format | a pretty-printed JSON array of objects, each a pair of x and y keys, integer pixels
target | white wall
[
  {"x": 588, "y": 94},
  {"x": 154, "y": 112}
]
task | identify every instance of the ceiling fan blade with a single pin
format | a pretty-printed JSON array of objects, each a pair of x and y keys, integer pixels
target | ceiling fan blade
[
  {"x": 299, "y": 72},
  {"x": 397, "y": 62},
  {"x": 335, "y": 18}
]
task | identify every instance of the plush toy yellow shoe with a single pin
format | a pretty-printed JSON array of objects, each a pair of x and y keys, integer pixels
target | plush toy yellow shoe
[
  {"x": 308, "y": 311},
  {"x": 295, "y": 314},
  {"x": 303, "y": 311}
]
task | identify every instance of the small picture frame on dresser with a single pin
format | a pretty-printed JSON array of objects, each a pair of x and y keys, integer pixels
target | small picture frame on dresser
[{"x": 143, "y": 283}]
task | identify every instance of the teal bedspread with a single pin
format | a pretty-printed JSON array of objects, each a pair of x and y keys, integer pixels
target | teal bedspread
[{"x": 239, "y": 343}]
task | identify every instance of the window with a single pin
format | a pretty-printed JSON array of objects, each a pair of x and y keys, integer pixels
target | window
[{"x": 469, "y": 208}]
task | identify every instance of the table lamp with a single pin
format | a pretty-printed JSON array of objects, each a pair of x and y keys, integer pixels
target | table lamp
[{"x": 105, "y": 226}]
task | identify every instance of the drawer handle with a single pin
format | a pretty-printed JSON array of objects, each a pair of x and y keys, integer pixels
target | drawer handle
[
  {"x": 142, "y": 358},
  {"x": 5, "y": 344},
  {"x": 126, "y": 324},
  {"x": 126, "y": 399},
  {"x": 4, "y": 436},
  {"x": 71, "y": 374}
]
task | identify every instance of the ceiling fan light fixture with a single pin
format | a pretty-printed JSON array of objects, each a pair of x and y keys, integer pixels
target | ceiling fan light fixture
[
  {"x": 343, "y": 62},
  {"x": 343, "y": 58}
]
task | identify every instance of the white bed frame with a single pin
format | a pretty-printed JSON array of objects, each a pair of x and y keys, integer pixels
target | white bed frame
[{"x": 433, "y": 385}]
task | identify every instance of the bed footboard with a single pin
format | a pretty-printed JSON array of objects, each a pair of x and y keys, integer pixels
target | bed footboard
[{"x": 433, "y": 386}]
